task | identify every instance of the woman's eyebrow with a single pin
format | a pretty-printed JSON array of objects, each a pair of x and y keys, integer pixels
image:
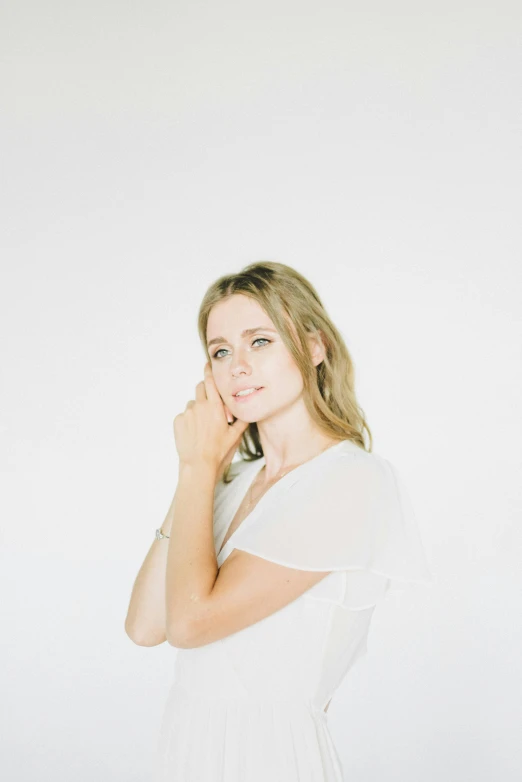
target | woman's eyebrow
[{"x": 244, "y": 333}]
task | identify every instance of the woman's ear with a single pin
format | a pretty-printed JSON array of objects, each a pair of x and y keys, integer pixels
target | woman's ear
[{"x": 317, "y": 347}]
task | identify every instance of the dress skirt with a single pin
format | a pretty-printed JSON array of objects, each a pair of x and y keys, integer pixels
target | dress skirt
[{"x": 206, "y": 739}]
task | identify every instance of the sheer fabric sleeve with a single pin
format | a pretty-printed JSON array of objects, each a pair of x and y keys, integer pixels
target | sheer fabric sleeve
[{"x": 355, "y": 516}]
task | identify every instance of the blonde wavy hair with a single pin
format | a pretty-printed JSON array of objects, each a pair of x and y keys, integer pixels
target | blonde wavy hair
[{"x": 293, "y": 305}]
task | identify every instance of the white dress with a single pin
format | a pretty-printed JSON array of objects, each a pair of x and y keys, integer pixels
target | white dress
[{"x": 250, "y": 707}]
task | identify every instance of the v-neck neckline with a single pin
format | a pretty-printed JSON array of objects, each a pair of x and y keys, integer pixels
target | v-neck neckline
[
  {"x": 248, "y": 477},
  {"x": 240, "y": 496}
]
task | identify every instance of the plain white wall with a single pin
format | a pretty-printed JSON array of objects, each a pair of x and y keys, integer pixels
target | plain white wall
[{"x": 149, "y": 148}]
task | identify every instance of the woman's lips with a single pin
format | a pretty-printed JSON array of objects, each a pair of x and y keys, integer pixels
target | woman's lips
[{"x": 246, "y": 397}]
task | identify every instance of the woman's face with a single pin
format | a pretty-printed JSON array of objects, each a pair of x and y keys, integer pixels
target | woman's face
[{"x": 250, "y": 360}]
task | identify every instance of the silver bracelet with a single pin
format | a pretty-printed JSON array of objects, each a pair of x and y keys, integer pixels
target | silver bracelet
[{"x": 160, "y": 535}]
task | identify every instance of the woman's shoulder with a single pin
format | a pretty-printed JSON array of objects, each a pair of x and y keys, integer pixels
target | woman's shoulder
[
  {"x": 350, "y": 463},
  {"x": 349, "y": 452}
]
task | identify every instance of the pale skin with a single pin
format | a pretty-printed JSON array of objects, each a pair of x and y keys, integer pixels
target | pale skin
[{"x": 204, "y": 603}]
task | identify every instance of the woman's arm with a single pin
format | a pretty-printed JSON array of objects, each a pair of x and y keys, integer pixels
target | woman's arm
[{"x": 145, "y": 623}]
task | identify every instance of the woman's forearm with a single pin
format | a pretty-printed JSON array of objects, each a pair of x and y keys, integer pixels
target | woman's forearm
[
  {"x": 192, "y": 566},
  {"x": 145, "y": 623}
]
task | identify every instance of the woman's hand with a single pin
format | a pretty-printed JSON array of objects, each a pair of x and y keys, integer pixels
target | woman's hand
[{"x": 203, "y": 432}]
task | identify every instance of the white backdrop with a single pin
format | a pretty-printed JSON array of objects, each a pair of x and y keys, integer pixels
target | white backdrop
[{"x": 150, "y": 147}]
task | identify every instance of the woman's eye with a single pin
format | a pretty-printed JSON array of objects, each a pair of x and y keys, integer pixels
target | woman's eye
[{"x": 263, "y": 339}]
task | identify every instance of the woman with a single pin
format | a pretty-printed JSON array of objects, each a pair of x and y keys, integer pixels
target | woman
[{"x": 267, "y": 570}]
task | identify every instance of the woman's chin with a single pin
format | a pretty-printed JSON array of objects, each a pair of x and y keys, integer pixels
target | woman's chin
[{"x": 248, "y": 419}]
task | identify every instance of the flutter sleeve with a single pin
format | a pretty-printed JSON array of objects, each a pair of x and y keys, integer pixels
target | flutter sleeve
[{"x": 355, "y": 516}]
